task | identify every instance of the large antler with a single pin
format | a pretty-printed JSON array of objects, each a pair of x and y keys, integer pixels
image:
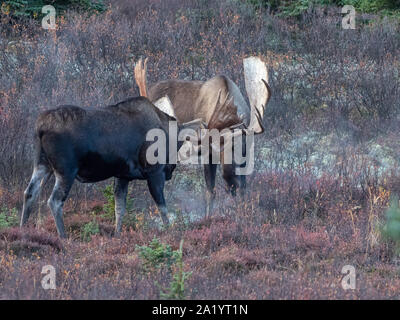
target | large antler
[
  {"x": 258, "y": 91},
  {"x": 259, "y": 94},
  {"x": 141, "y": 77}
]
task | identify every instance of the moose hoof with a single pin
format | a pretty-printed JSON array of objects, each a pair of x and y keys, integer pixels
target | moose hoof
[{"x": 165, "y": 221}]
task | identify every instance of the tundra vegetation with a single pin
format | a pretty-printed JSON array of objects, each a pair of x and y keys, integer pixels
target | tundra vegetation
[{"x": 326, "y": 176}]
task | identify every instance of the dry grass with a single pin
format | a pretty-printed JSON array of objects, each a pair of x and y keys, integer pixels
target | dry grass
[{"x": 243, "y": 252}]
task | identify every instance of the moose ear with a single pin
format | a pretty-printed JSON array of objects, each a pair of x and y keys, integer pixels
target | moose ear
[{"x": 165, "y": 105}]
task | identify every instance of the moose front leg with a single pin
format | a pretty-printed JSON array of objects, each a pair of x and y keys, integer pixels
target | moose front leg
[
  {"x": 120, "y": 194},
  {"x": 56, "y": 201},
  {"x": 156, "y": 187}
]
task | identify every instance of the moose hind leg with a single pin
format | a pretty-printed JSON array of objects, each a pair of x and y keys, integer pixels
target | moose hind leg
[
  {"x": 56, "y": 201},
  {"x": 120, "y": 193},
  {"x": 243, "y": 185},
  {"x": 231, "y": 179},
  {"x": 156, "y": 188},
  {"x": 209, "y": 174},
  {"x": 39, "y": 175}
]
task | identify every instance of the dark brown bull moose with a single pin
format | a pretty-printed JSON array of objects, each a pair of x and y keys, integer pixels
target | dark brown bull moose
[{"x": 94, "y": 144}]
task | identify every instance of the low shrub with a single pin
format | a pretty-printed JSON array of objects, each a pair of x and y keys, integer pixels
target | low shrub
[
  {"x": 8, "y": 217},
  {"x": 156, "y": 255},
  {"x": 89, "y": 229}
]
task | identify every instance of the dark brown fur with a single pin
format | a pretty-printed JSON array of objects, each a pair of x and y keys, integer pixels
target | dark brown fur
[{"x": 95, "y": 144}]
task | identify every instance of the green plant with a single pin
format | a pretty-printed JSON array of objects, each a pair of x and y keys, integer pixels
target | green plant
[
  {"x": 8, "y": 217},
  {"x": 391, "y": 228},
  {"x": 33, "y": 8},
  {"x": 109, "y": 206},
  {"x": 373, "y": 6},
  {"x": 156, "y": 255},
  {"x": 130, "y": 220},
  {"x": 297, "y": 7},
  {"x": 176, "y": 289},
  {"x": 88, "y": 230}
]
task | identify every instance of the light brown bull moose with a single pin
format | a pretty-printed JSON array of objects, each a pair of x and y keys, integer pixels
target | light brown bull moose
[{"x": 220, "y": 104}]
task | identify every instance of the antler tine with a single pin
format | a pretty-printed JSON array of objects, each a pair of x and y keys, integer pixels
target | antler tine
[
  {"x": 258, "y": 118},
  {"x": 269, "y": 92},
  {"x": 145, "y": 63},
  {"x": 235, "y": 126},
  {"x": 140, "y": 76}
]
